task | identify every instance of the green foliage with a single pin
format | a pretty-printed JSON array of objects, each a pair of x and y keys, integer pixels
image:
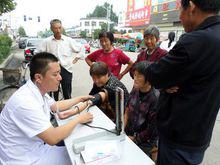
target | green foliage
[
  {"x": 104, "y": 26},
  {"x": 121, "y": 40},
  {"x": 112, "y": 29},
  {"x": 21, "y": 31},
  {"x": 96, "y": 33},
  {"x": 5, "y": 46},
  {"x": 45, "y": 34},
  {"x": 63, "y": 31},
  {"x": 122, "y": 31},
  {"x": 101, "y": 11},
  {"x": 83, "y": 34},
  {"x": 7, "y": 6}
]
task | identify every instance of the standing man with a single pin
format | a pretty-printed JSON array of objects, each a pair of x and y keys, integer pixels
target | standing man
[
  {"x": 186, "y": 117},
  {"x": 26, "y": 134},
  {"x": 63, "y": 48}
]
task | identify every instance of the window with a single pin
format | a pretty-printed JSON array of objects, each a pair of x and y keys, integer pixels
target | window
[
  {"x": 93, "y": 23},
  {"x": 86, "y": 23},
  {"x": 100, "y": 23}
]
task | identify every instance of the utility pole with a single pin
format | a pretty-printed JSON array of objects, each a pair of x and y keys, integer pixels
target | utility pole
[{"x": 108, "y": 14}]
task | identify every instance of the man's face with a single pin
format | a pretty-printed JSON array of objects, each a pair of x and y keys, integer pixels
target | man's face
[
  {"x": 186, "y": 18},
  {"x": 56, "y": 29},
  {"x": 100, "y": 80},
  {"x": 105, "y": 44},
  {"x": 52, "y": 78},
  {"x": 150, "y": 41}
]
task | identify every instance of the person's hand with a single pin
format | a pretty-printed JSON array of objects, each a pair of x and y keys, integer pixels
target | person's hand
[
  {"x": 75, "y": 60},
  {"x": 120, "y": 76},
  {"x": 131, "y": 137},
  {"x": 85, "y": 117},
  {"x": 85, "y": 98},
  {"x": 172, "y": 89}
]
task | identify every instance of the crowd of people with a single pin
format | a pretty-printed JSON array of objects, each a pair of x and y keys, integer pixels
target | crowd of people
[{"x": 169, "y": 113}]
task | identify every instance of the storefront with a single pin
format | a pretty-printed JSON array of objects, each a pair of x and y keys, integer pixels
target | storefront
[
  {"x": 165, "y": 15},
  {"x": 162, "y": 13}
]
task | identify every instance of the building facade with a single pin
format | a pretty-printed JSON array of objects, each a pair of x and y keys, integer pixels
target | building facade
[
  {"x": 162, "y": 13},
  {"x": 90, "y": 24}
]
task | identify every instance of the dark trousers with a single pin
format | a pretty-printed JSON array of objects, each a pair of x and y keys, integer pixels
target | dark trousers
[
  {"x": 173, "y": 156},
  {"x": 66, "y": 84}
]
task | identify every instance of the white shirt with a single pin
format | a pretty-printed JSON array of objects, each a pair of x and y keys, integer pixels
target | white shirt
[
  {"x": 164, "y": 45},
  {"x": 25, "y": 115},
  {"x": 63, "y": 49}
]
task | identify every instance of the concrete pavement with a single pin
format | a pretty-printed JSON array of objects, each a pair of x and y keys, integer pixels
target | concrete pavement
[{"x": 82, "y": 83}]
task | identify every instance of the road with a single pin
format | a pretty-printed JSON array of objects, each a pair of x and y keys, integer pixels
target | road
[{"x": 82, "y": 83}]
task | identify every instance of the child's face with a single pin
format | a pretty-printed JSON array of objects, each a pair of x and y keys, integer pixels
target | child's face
[{"x": 139, "y": 81}]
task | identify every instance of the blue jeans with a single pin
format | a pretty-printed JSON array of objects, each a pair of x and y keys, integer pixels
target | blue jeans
[{"x": 168, "y": 155}]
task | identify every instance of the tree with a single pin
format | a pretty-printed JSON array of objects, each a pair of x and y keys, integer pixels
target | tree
[
  {"x": 101, "y": 11},
  {"x": 6, "y": 6},
  {"x": 96, "y": 33},
  {"x": 21, "y": 31},
  {"x": 44, "y": 34},
  {"x": 83, "y": 34},
  {"x": 63, "y": 31},
  {"x": 104, "y": 26}
]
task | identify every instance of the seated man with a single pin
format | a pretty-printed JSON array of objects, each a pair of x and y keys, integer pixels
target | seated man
[
  {"x": 104, "y": 87},
  {"x": 26, "y": 134},
  {"x": 140, "y": 113}
]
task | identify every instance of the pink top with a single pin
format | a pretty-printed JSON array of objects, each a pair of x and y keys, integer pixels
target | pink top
[{"x": 114, "y": 59}]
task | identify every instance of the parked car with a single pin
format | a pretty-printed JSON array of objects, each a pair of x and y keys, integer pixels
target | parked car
[
  {"x": 84, "y": 43},
  {"x": 31, "y": 48},
  {"x": 22, "y": 42}
]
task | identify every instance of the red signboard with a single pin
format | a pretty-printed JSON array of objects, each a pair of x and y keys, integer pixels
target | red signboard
[{"x": 138, "y": 17}]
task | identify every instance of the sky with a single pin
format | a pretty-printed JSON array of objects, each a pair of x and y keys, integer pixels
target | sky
[{"x": 69, "y": 11}]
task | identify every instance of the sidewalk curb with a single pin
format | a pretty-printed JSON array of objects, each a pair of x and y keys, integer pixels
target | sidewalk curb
[
  {"x": 7, "y": 60},
  {"x": 10, "y": 56}
]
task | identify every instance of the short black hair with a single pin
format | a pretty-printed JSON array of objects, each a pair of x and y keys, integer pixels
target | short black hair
[
  {"x": 209, "y": 6},
  {"x": 108, "y": 34},
  {"x": 39, "y": 63},
  {"x": 99, "y": 69},
  {"x": 141, "y": 67},
  {"x": 171, "y": 37}
]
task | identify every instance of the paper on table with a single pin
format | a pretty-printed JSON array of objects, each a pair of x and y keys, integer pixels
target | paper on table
[{"x": 100, "y": 152}]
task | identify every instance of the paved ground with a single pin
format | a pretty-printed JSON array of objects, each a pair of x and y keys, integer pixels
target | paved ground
[{"x": 82, "y": 83}]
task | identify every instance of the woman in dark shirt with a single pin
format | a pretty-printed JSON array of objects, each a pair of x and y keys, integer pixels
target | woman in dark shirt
[
  {"x": 140, "y": 113},
  {"x": 105, "y": 85},
  {"x": 153, "y": 52}
]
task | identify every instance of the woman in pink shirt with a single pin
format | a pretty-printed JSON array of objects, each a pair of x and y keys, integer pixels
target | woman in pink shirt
[{"x": 114, "y": 58}]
